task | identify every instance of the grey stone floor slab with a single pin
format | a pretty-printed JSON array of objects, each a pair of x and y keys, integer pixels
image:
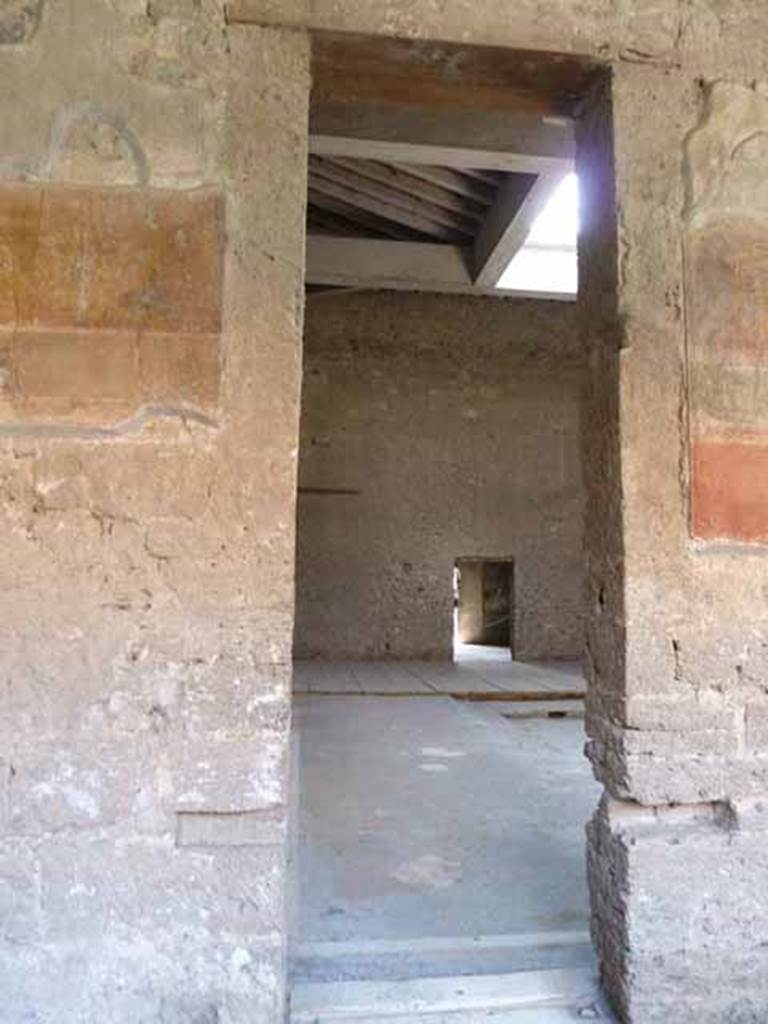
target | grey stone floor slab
[{"x": 424, "y": 816}]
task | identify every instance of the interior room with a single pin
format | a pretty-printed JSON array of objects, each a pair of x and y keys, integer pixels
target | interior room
[{"x": 438, "y": 679}]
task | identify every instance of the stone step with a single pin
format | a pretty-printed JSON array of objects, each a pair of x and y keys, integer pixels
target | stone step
[
  {"x": 553, "y": 997},
  {"x": 439, "y": 956},
  {"x": 532, "y": 1015}
]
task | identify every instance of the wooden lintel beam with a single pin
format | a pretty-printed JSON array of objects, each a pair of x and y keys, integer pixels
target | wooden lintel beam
[
  {"x": 356, "y": 55},
  {"x": 508, "y": 223}
]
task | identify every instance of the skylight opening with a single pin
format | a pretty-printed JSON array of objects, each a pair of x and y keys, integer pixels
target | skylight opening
[{"x": 547, "y": 261}]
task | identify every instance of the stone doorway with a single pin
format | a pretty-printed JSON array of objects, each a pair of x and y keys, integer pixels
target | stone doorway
[
  {"x": 440, "y": 414},
  {"x": 485, "y": 602}
]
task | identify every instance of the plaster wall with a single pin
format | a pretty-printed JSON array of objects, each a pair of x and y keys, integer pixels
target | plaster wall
[
  {"x": 678, "y": 633},
  {"x": 151, "y": 235},
  {"x": 454, "y": 422},
  {"x": 147, "y": 570},
  {"x": 707, "y": 37}
]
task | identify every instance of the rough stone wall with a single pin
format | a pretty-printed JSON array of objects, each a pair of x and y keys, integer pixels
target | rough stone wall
[
  {"x": 151, "y": 226},
  {"x": 455, "y": 423},
  {"x": 93, "y": 613},
  {"x": 679, "y": 636},
  {"x": 727, "y": 286},
  {"x": 710, "y": 37}
]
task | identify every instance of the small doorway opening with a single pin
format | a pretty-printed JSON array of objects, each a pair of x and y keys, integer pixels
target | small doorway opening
[{"x": 484, "y": 604}]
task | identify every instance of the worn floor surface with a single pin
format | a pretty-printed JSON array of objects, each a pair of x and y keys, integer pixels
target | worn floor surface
[
  {"x": 476, "y": 670},
  {"x": 435, "y": 836}
]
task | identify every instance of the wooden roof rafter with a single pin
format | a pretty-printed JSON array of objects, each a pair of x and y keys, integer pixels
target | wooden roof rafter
[{"x": 442, "y": 218}]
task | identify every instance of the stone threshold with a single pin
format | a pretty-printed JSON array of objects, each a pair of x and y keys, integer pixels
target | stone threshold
[{"x": 569, "y": 994}]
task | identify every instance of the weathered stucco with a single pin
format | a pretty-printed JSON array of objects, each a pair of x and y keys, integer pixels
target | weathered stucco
[
  {"x": 148, "y": 573},
  {"x": 703, "y": 37},
  {"x": 727, "y": 270},
  {"x": 454, "y": 421},
  {"x": 679, "y": 628},
  {"x": 151, "y": 238},
  {"x": 94, "y": 339}
]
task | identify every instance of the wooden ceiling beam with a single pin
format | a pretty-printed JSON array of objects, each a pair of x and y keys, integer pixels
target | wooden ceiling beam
[
  {"x": 354, "y": 215},
  {"x": 490, "y": 178},
  {"x": 371, "y": 204},
  {"x": 323, "y": 221},
  {"x": 400, "y": 266},
  {"x": 455, "y": 157},
  {"x": 404, "y": 180},
  {"x": 465, "y": 129},
  {"x": 373, "y": 263},
  {"x": 452, "y": 181},
  {"x": 508, "y": 223},
  {"x": 417, "y": 205}
]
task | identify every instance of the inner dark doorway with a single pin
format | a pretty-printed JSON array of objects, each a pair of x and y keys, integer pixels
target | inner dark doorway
[{"x": 485, "y": 602}]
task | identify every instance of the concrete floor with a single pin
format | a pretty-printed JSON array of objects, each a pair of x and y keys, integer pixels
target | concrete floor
[{"x": 449, "y": 830}]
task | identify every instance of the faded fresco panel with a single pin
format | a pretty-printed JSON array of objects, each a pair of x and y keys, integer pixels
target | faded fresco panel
[
  {"x": 727, "y": 319},
  {"x": 110, "y": 300}
]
